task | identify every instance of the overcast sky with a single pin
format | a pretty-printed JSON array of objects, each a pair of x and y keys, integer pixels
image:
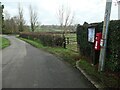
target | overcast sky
[{"x": 85, "y": 10}]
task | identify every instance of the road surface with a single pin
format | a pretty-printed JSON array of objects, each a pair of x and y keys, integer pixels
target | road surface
[{"x": 25, "y": 66}]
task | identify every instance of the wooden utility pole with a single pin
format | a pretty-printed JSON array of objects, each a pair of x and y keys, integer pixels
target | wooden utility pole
[{"x": 104, "y": 35}]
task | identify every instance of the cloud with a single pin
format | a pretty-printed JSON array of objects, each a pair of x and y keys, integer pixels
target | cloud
[{"x": 85, "y": 10}]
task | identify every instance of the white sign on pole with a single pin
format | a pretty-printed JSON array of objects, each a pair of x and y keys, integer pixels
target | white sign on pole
[{"x": 91, "y": 34}]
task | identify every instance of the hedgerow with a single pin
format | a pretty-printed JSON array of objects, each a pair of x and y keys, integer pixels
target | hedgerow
[
  {"x": 47, "y": 39},
  {"x": 113, "y": 44}
]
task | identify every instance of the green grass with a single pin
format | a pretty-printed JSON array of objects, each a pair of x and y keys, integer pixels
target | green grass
[
  {"x": 47, "y": 30},
  {"x": 68, "y": 55},
  {"x": 4, "y": 43},
  {"x": 72, "y": 42},
  {"x": 99, "y": 77},
  {"x": 73, "y": 35},
  {"x": 72, "y": 47}
]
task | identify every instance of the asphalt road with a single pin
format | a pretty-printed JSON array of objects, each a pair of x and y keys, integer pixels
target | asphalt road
[{"x": 25, "y": 66}]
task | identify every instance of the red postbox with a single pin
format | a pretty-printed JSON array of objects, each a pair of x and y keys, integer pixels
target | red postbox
[{"x": 97, "y": 41}]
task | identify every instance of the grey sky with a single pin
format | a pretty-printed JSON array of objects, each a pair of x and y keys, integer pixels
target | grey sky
[{"x": 85, "y": 10}]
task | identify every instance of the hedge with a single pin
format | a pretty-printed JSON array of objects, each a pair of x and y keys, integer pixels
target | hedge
[
  {"x": 47, "y": 39},
  {"x": 113, "y": 43}
]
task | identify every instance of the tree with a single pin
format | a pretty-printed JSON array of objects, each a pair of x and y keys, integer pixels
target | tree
[
  {"x": 65, "y": 18},
  {"x": 33, "y": 18},
  {"x": 6, "y": 15},
  {"x": 10, "y": 24},
  {"x": 15, "y": 23},
  {"x": 7, "y": 24},
  {"x": 20, "y": 17}
]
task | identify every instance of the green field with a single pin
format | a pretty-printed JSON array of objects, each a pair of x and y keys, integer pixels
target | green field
[
  {"x": 72, "y": 37},
  {"x": 72, "y": 42},
  {"x": 4, "y": 42},
  {"x": 47, "y": 30}
]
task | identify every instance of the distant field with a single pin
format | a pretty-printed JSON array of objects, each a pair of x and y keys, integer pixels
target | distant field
[
  {"x": 72, "y": 42},
  {"x": 4, "y": 42},
  {"x": 47, "y": 30},
  {"x": 72, "y": 37}
]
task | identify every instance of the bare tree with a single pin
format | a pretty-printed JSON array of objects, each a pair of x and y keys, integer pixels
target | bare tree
[
  {"x": 20, "y": 17},
  {"x": 16, "y": 24},
  {"x": 33, "y": 18},
  {"x": 11, "y": 25},
  {"x": 60, "y": 15},
  {"x": 65, "y": 18}
]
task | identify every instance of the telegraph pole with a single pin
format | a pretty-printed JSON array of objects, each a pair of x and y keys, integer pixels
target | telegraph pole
[
  {"x": 0, "y": 45},
  {"x": 118, "y": 10},
  {"x": 104, "y": 35},
  {"x": 0, "y": 18}
]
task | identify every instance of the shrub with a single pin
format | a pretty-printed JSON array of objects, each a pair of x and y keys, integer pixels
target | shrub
[
  {"x": 47, "y": 39},
  {"x": 112, "y": 53}
]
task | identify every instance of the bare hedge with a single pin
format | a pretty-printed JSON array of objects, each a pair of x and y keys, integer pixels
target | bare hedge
[{"x": 46, "y": 38}]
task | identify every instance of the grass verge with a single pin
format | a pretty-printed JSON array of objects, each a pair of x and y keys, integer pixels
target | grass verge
[
  {"x": 103, "y": 79},
  {"x": 68, "y": 55},
  {"x": 4, "y": 42},
  {"x": 71, "y": 57}
]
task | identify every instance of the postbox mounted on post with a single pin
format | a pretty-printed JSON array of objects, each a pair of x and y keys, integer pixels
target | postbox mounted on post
[{"x": 98, "y": 41}]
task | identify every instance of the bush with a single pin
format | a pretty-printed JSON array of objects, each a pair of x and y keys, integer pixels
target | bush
[
  {"x": 47, "y": 39},
  {"x": 112, "y": 53}
]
